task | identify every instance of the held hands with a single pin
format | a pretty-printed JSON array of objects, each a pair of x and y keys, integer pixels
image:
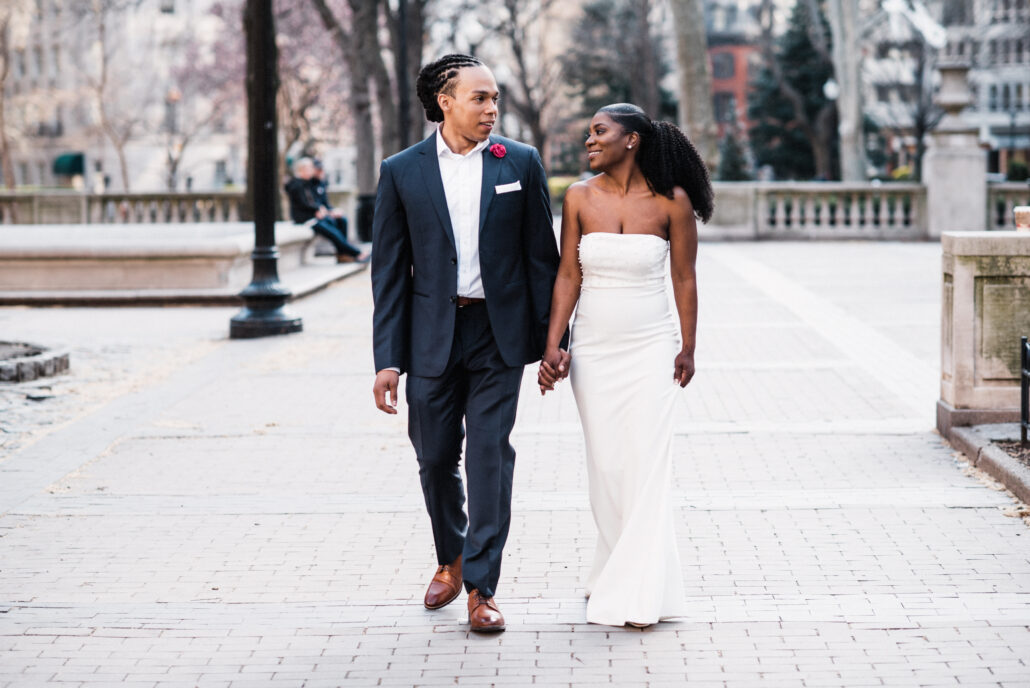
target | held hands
[
  {"x": 386, "y": 382},
  {"x": 684, "y": 368},
  {"x": 554, "y": 366}
]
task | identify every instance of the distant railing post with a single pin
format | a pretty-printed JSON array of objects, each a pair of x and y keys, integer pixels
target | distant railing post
[{"x": 1024, "y": 392}]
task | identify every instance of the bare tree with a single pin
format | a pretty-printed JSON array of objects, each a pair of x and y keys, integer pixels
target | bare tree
[
  {"x": 696, "y": 111},
  {"x": 843, "y": 17},
  {"x": 6, "y": 163},
  {"x": 407, "y": 39},
  {"x": 536, "y": 77},
  {"x": 355, "y": 46},
  {"x": 120, "y": 101}
]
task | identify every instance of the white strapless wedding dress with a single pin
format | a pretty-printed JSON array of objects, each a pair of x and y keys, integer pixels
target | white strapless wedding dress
[{"x": 624, "y": 342}]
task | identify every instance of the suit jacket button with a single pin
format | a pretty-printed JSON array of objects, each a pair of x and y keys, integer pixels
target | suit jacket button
[
  {"x": 454, "y": 299},
  {"x": 454, "y": 261}
]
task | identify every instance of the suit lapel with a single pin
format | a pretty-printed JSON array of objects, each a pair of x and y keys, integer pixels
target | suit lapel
[
  {"x": 491, "y": 170},
  {"x": 434, "y": 184}
]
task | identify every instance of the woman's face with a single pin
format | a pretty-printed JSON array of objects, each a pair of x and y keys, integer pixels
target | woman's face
[{"x": 608, "y": 143}]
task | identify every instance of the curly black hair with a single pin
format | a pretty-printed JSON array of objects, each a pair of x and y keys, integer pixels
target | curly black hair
[
  {"x": 667, "y": 158},
  {"x": 440, "y": 77}
]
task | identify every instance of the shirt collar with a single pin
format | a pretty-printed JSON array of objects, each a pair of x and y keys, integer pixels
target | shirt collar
[{"x": 443, "y": 151}]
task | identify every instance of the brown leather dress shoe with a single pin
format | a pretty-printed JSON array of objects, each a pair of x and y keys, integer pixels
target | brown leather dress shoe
[
  {"x": 445, "y": 586},
  {"x": 484, "y": 616}
]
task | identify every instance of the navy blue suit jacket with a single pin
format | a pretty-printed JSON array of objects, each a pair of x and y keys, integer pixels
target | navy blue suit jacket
[{"x": 414, "y": 262}]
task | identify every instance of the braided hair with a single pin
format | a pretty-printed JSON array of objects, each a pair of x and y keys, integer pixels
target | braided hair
[
  {"x": 667, "y": 158},
  {"x": 440, "y": 77}
]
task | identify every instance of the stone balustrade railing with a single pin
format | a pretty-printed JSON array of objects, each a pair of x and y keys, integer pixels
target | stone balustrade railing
[
  {"x": 1001, "y": 199},
  {"x": 744, "y": 210},
  {"x": 70, "y": 207},
  {"x": 818, "y": 210},
  {"x": 841, "y": 210}
]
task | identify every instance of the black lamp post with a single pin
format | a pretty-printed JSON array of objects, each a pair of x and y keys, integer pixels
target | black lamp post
[{"x": 264, "y": 312}]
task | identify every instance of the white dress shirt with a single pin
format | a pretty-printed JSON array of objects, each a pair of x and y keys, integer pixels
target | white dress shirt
[{"x": 462, "y": 185}]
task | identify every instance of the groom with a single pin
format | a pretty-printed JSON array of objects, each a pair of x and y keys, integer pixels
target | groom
[{"x": 464, "y": 262}]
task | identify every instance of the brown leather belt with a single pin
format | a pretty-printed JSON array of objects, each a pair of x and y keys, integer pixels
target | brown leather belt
[{"x": 463, "y": 301}]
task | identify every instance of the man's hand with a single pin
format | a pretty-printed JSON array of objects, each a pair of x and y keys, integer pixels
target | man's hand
[
  {"x": 321, "y": 212},
  {"x": 386, "y": 382},
  {"x": 554, "y": 366},
  {"x": 336, "y": 212}
]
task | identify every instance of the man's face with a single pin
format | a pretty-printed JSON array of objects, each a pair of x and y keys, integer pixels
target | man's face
[{"x": 471, "y": 112}]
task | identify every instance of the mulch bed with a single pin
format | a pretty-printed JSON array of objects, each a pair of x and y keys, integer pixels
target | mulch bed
[{"x": 1016, "y": 451}]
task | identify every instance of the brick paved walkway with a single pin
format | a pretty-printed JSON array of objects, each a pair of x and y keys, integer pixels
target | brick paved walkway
[{"x": 188, "y": 511}]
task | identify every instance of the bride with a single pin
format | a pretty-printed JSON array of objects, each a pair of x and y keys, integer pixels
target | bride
[{"x": 627, "y": 355}]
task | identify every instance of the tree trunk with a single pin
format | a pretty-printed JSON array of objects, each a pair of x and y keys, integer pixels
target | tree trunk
[
  {"x": 408, "y": 41},
  {"x": 696, "y": 113},
  {"x": 360, "y": 97},
  {"x": 6, "y": 164},
  {"x": 365, "y": 32},
  {"x": 645, "y": 86},
  {"x": 844, "y": 26}
]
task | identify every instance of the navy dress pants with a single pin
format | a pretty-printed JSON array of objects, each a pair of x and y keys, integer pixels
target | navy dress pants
[{"x": 474, "y": 399}]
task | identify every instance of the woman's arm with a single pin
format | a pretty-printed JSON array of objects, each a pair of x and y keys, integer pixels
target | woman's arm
[
  {"x": 683, "y": 256},
  {"x": 554, "y": 365}
]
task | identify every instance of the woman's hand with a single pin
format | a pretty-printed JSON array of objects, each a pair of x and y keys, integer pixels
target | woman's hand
[
  {"x": 554, "y": 366},
  {"x": 684, "y": 368}
]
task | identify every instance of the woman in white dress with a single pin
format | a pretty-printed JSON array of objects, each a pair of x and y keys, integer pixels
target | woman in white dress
[{"x": 629, "y": 354}]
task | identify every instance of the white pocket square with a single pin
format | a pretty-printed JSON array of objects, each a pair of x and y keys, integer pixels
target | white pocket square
[{"x": 505, "y": 188}]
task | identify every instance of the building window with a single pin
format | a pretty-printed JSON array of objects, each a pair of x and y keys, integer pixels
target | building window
[
  {"x": 956, "y": 12},
  {"x": 55, "y": 64},
  {"x": 221, "y": 173},
  {"x": 992, "y": 98},
  {"x": 1006, "y": 100},
  {"x": 722, "y": 65},
  {"x": 1018, "y": 97},
  {"x": 168, "y": 6},
  {"x": 725, "y": 107},
  {"x": 19, "y": 64}
]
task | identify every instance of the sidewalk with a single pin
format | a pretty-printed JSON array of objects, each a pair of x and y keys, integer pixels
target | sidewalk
[{"x": 188, "y": 510}]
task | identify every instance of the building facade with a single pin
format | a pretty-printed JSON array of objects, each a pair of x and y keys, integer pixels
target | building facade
[{"x": 100, "y": 96}]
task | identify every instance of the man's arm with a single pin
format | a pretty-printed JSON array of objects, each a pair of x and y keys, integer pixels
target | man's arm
[
  {"x": 391, "y": 276},
  {"x": 391, "y": 290},
  {"x": 540, "y": 247}
]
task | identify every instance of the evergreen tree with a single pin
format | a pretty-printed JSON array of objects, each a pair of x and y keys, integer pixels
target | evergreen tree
[
  {"x": 795, "y": 128},
  {"x": 733, "y": 165}
]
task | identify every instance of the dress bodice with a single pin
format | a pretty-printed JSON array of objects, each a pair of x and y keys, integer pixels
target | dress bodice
[{"x": 622, "y": 260}]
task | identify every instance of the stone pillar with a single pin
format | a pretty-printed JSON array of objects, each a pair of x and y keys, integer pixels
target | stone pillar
[
  {"x": 955, "y": 166},
  {"x": 985, "y": 311}
]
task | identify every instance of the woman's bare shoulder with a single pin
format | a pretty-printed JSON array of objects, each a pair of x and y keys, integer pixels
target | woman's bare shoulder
[
  {"x": 680, "y": 201},
  {"x": 578, "y": 191}
]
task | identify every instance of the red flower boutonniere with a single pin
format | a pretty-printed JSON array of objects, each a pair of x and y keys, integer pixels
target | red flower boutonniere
[{"x": 498, "y": 150}]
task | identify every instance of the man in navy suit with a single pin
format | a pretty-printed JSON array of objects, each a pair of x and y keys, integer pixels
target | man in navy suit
[{"x": 464, "y": 262}]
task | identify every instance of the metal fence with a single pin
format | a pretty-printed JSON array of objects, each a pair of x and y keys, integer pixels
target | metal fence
[{"x": 1024, "y": 391}]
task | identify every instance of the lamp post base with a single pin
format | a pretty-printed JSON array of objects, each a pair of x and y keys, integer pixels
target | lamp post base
[
  {"x": 250, "y": 323},
  {"x": 264, "y": 313}
]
